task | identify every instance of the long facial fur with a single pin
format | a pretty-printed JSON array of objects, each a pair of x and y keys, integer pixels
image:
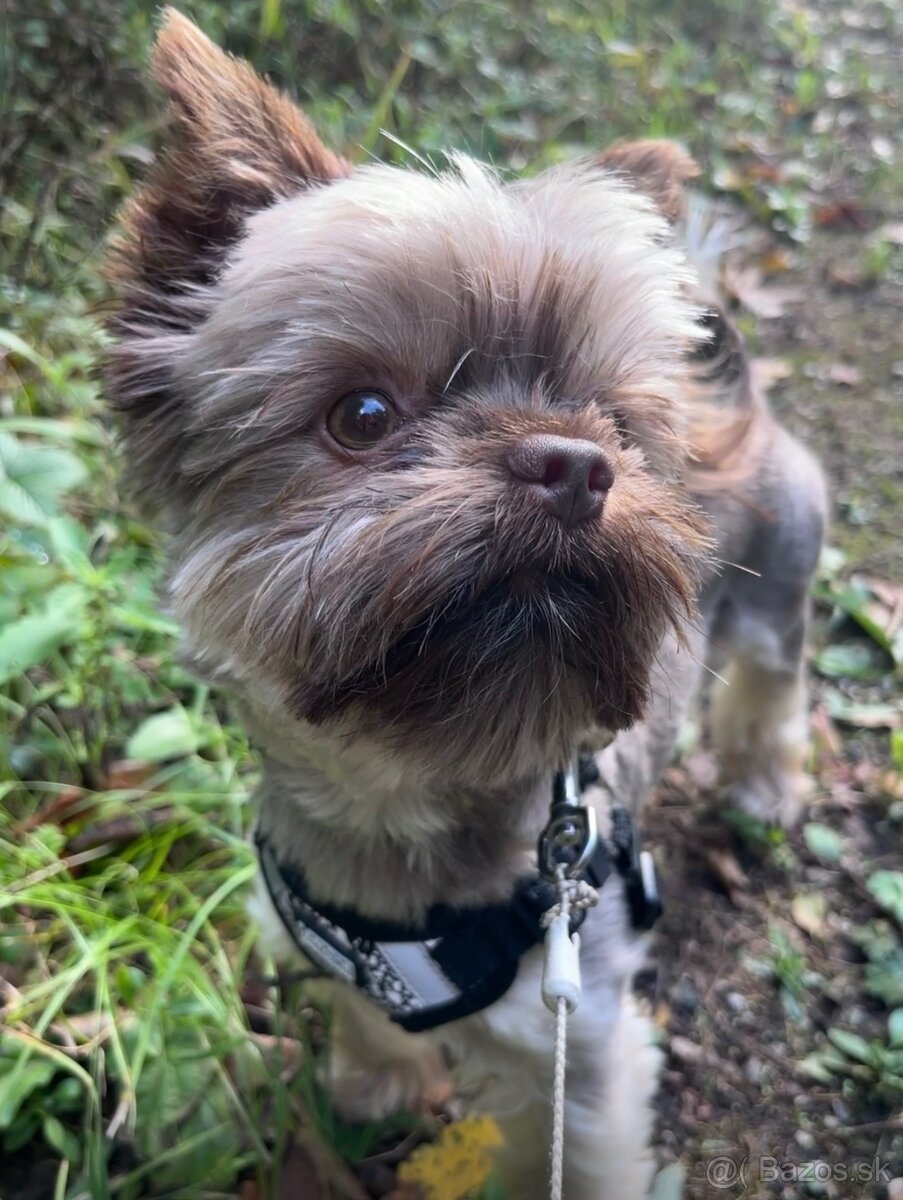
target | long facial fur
[{"x": 419, "y": 596}]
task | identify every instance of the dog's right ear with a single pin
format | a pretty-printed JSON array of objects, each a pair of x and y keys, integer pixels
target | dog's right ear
[
  {"x": 236, "y": 145},
  {"x": 656, "y": 167}
]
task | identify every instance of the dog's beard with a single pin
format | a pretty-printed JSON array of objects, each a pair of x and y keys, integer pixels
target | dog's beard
[{"x": 446, "y": 614}]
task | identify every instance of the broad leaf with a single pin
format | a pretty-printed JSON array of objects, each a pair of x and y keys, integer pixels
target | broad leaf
[
  {"x": 32, "y": 478},
  {"x": 164, "y": 735},
  {"x": 887, "y": 888},
  {"x": 28, "y": 640}
]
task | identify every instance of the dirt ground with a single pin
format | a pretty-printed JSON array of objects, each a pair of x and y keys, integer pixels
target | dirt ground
[{"x": 751, "y": 968}]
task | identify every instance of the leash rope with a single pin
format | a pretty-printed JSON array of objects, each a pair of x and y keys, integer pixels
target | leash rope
[
  {"x": 556, "y": 1170},
  {"x": 561, "y": 993}
]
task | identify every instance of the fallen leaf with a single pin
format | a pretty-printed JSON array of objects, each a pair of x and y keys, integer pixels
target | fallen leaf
[
  {"x": 824, "y": 734},
  {"x": 776, "y": 261},
  {"x": 746, "y": 286},
  {"x": 728, "y": 872},
  {"x": 824, "y": 842},
  {"x": 844, "y": 373},
  {"x": 766, "y": 371},
  {"x": 120, "y": 830},
  {"x": 849, "y": 275},
  {"x": 63, "y": 807},
  {"x": 844, "y": 214},
  {"x": 808, "y": 911},
  {"x": 299, "y": 1177},
  {"x": 685, "y": 1051},
  {"x": 880, "y": 715},
  {"x": 127, "y": 774},
  {"x": 892, "y": 232},
  {"x": 769, "y": 172},
  {"x": 890, "y": 593}
]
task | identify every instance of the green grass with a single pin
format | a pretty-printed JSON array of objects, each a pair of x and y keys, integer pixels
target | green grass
[{"x": 128, "y": 1063}]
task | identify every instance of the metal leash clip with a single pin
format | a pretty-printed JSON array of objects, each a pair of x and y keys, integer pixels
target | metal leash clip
[{"x": 570, "y": 837}]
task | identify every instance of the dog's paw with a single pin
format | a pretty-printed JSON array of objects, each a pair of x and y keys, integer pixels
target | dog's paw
[
  {"x": 415, "y": 1084},
  {"x": 772, "y": 798}
]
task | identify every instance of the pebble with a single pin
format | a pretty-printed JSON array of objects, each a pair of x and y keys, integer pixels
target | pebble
[{"x": 684, "y": 994}]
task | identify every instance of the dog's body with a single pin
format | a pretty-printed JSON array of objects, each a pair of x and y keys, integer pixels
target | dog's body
[{"x": 435, "y": 454}]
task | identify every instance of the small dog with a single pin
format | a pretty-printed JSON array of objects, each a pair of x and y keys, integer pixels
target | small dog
[{"x": 460, "y": 476}]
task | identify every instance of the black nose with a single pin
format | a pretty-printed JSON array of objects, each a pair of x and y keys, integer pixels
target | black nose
[{"x": 571, "y": 475}]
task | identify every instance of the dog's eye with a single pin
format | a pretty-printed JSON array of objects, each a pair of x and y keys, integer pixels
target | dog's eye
[{"x": 361, "y": 419}]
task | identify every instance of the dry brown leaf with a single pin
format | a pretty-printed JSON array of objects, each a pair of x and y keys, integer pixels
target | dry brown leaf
[
  {"x": 61, "y": 809},
  {"x": 121, "y": 829},
  {"x": 684, "y": 1050},
  {"x": 299, "y": 1177},
  {"x": 844, "y": 214},
  {"x": 776, "y": 261},
  {"x": 890, "y": 593},
  {"x": 844, "y": 373},
  {"x": 766, "y": 371},
  {"x": 848, "y": 276},
  {"x": 808, "y": 910},
  {"x": 728, "y": 872},
  {"x": 127, "y": 774},
  {"x": 824, "y": 733},
  {"x": 746, "y": 286}
]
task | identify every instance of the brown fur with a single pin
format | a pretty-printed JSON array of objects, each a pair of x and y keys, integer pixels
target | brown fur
[
  {"x": 238, "y": 145},
  {"x": 656, "y": 167}
]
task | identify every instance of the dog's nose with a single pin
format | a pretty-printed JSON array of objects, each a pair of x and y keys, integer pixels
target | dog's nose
[{"x": 572, "y": 475}]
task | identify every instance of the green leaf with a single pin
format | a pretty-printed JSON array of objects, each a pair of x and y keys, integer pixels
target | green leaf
[
  {"x": 823, "y": 841},
  {"x": 18, "y": 1083},
  {"x": 32, "y": 478},
  {"x": 70, "y": 430},
  {"x": 856, "y": 600},
  {"x": 72, "y": 546},
  {"x": 852, "y": 1045},
  {"x": 896, "y": 748},
  {"x": 28, "y": 640},
  {"x": 849, "y": 660},
  {"x": 11, "y": 343},
  {"x": 165, "y": 735},
  {"x": 895, "y": 1027},
  {"x": 884, "y": 979},
  {"x": 61, "y": 1139},
  {"x": 822, "y": 1066},
  {"x": 887, "y": 888},
  {"x": 862, "y": 716},
  {"x": 142, "y": 618}
]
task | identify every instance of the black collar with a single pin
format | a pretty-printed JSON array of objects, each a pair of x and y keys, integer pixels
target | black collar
[{"x": 459, "y": 960}]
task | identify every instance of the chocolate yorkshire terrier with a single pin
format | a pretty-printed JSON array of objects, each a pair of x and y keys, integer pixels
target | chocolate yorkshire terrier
[{"x": 461, "y": 477}]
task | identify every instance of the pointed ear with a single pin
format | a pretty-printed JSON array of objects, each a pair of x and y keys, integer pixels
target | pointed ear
[
  {"x": 655, "y": 167},
  {"x": 236, "y": 145}
]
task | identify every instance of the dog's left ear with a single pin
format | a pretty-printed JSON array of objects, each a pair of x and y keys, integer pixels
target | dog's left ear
[
  {"x": 235, "y": 145},
  {"x": 656, "y": 167}
]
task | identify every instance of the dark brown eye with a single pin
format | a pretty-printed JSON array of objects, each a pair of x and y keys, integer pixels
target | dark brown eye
[{"x": 361, "y": 419}]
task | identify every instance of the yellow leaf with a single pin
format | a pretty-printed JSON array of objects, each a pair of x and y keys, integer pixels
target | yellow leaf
[{"x": 453, "y": 1167}]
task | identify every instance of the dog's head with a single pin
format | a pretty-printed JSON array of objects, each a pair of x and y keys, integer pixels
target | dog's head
[{"x": 418, "y": 436}]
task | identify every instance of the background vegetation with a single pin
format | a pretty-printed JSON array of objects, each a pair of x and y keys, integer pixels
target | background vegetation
[{"x": 145, "y": 1050}]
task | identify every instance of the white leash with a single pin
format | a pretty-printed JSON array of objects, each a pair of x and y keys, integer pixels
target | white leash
[{"x": 561, "y": 993}]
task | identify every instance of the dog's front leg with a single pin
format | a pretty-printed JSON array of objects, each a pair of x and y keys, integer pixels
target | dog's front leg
[
  {"x": 376, "y": 1068},
  {"x": 503, "y": 1065}
]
